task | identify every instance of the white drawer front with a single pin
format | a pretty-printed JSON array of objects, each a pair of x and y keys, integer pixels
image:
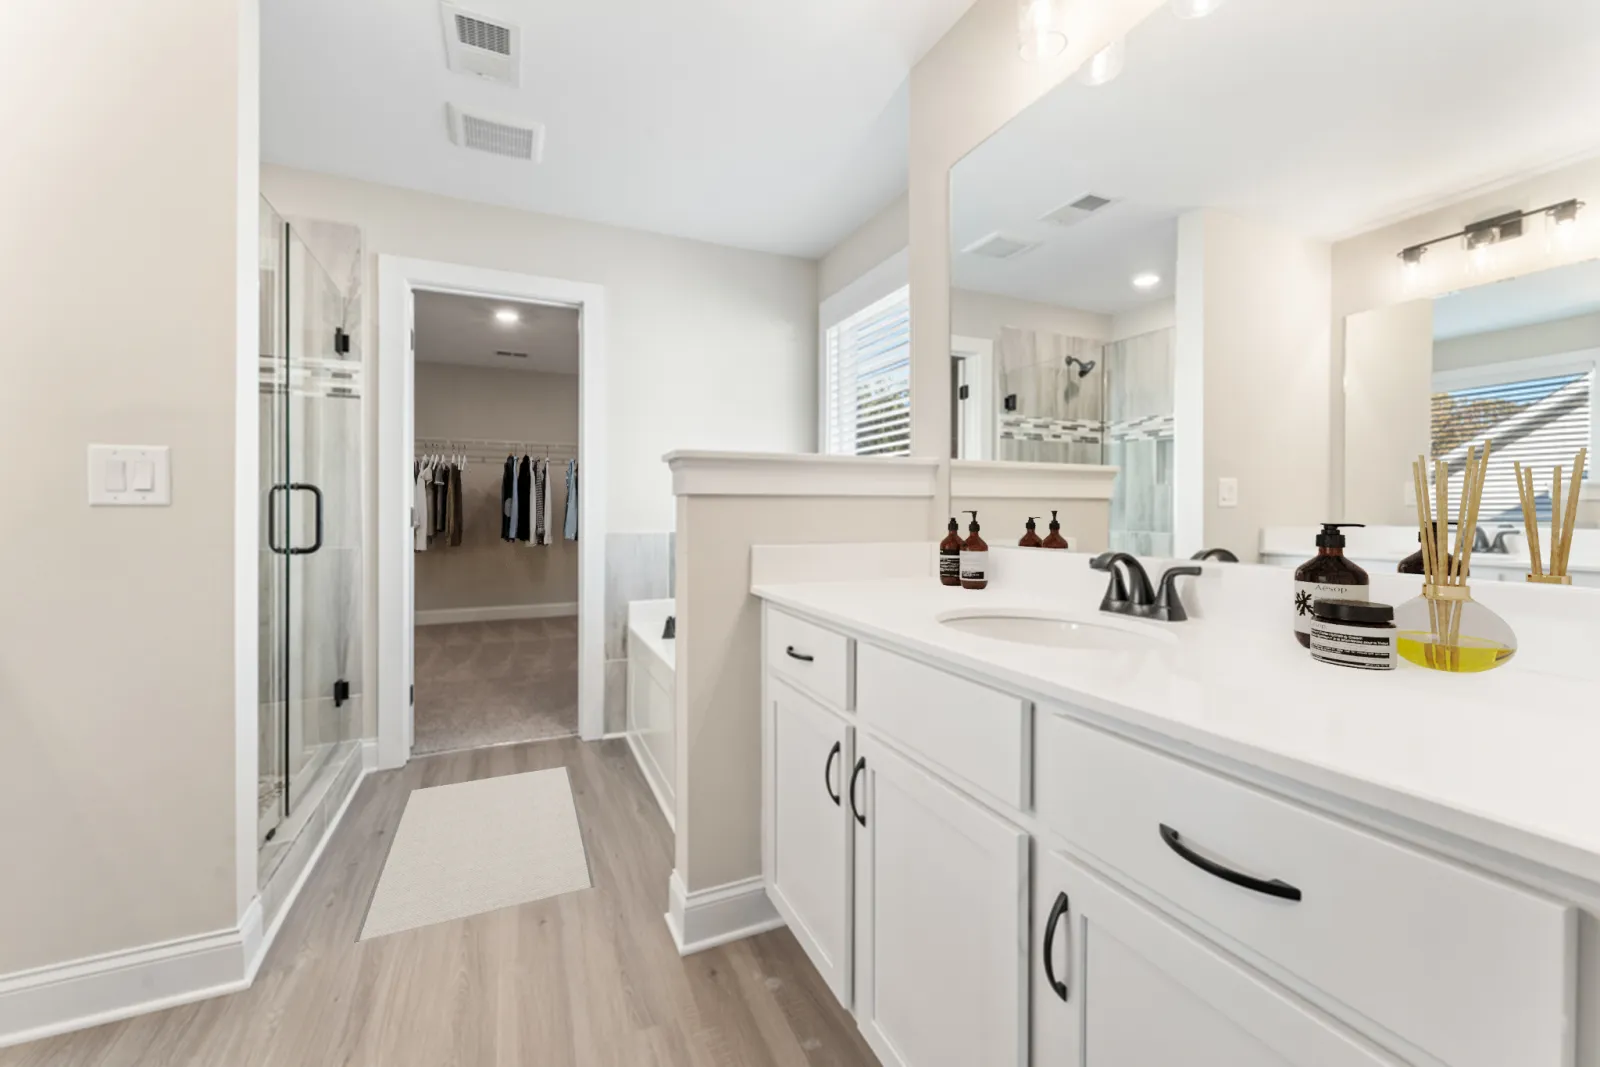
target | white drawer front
[
  {"x": 1468, "y": 968},
  {"x": 815, "y": 659},
  {"x": 976, "y": 733}
]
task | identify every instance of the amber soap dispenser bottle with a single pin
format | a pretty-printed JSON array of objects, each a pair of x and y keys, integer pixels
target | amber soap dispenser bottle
[
  {"x": 1054, "y": 539},
  {"x": 1030, "y": 537},
  {"x": 974, "y": 557},
  {"x": 950, "y": 555},
  {"x": 1326, "y": 576}
]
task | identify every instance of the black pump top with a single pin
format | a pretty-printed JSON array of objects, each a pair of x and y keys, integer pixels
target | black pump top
[
  {"x": 1029, "y": 523},
  {"x": 1330, "y": 537},
  {"x": 954, "y": 525},
  {"x": 1054, "y": 525},
  {"x": 973, "y": 525}
]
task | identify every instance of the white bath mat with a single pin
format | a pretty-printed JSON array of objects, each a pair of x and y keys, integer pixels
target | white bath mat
[{"x": 476, "y": 846}]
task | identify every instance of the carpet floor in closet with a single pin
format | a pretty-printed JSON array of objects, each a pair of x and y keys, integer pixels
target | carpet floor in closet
[
  {"x": 585, "y": 979},
  {"x": 495, "y": 683}
]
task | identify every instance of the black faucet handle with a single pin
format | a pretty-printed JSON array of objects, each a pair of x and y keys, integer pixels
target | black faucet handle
[{"x": 1168, "y": 605}]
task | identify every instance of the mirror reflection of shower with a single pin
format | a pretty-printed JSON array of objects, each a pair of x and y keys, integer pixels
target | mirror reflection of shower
[{"x": 1084, "y": 365}]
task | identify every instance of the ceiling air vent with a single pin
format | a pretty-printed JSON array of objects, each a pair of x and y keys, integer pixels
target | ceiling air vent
[
  {"x": 512, "y": 355},
  {"x": 999, "y": 246},
  {"x": 498, "y": 136},
  {"x": 1077, "y": 210},
  {"x": 477, "y": 44}
]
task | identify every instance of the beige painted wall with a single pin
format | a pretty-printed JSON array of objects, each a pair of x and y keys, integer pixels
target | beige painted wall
[
  {"x": 719, "y": 658},
  {"x": 1557, "y": 337},
  {"x": 970, "y": 84},
  {"x": 1388, "y": 354},
  {"x": 1086, "y": 524},
  {"x": 1252, "y": 381},
  {"x": 484, "y": 403},
  {"x": 974, "y": 314},
  {"x": 1366, "y": 275},
  {"x": 1160, "y": 315},
  {"x": 119, "y": 292},
  {"x": 874, "y": 241}
]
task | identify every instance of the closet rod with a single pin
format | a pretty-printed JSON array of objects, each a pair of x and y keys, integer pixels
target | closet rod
[{"x": 465, "y": 444}]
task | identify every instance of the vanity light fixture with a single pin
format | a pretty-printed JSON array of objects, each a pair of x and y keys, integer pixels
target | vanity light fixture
[
  {"x": 1478, "y": 238},
  {"x": 1147, "y": 280},
  {"x": 507, "y": 316},
  {"x": 1041, "y": 29},
  {"x": 1194, "y": 9},
  {"x": 1105, "y": 64}
]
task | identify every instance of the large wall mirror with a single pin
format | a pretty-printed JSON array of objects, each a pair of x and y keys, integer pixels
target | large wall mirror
[{"x": 1181, "y": 260}]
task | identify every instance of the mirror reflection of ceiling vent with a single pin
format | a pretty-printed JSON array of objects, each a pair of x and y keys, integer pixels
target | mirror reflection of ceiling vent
[
  {"x": 512, "y": 355},
  {"x": 499, "y": 137},
  {"x": 486, "y": 47},
  {"x": 1076, "y": 211},
  {"x": 999, "y": 246}
]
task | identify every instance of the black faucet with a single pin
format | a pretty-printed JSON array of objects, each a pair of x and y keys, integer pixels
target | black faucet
[
  {"x": 1499, "y": 542},
  {"x": 1134, "y": 596},
  {"x": 1221, "y": 555},
  {"x": 1131, "y": 597}
]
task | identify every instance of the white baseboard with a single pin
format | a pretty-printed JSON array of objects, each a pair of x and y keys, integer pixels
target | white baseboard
[
  {"x": 498, "y": 613},
  {"x": 707, "y": 918},
  {"x": 59, "y": 998},
  {"x": 652, "y": 777}
]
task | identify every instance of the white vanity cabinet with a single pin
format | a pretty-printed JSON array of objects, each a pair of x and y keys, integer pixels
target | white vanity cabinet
[
  {"x": 941, "y": 921},
  {"x": 1116, "y": 984}
]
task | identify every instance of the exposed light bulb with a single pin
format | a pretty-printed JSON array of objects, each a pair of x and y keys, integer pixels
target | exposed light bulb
[
  {"x": 507, "y": 316},
  {"x": 1411, "y": 268},
  {"x": 1105, "y": 64},
  {"x": 1194, "y": 9},
  {"x": 1563, "y": 223},
  {"x": 1041, "y": 30},
  {"x": 1147, "y": 280}
]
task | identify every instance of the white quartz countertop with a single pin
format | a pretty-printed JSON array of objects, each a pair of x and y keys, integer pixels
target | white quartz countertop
[{"x": 1509, "y": 758}]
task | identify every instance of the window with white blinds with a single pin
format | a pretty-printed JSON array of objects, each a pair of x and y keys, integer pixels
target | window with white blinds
[
  {"x": 1540, "y": 421},
  {"x": 866, "y": 387}
]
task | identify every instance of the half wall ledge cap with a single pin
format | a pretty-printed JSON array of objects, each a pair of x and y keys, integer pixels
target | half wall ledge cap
[
  {"x": 980, "y": 479},
  {"x": 800, "y": 474}
]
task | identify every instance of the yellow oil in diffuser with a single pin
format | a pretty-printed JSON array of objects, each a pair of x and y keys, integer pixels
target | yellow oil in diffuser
[{"x": 1444, "y": 629}]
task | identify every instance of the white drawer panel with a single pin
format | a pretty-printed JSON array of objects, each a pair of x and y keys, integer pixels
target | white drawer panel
[
  {"x": 976, "y": 733},
  {"x": 1466, "y": 967},
  {"x": 813, "y": 658}
]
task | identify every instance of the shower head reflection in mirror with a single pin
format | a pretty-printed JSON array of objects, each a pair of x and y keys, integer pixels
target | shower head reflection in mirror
[{"x": 1267, "y": 210}]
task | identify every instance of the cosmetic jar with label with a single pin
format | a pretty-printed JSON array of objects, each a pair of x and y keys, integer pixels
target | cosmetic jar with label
[{"x": 1354, "y": 633}]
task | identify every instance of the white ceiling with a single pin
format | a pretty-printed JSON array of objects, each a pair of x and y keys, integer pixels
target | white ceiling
[
  {"x": 770, "y": 125},
  {"x": 1544, "y": 296},
  {"x": 1328, "y": 119},
  {"x": 463, "y": 330}
]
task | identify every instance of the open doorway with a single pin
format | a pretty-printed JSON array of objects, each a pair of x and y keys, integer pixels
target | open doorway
[
  {"x": 498, "y": 483},
  {"x": 557, "y": 323}
]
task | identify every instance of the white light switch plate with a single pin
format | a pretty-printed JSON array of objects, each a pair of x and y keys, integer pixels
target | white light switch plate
[
  {"x": 1227, "y": 492},
  {"x": 129, "y": 476}
]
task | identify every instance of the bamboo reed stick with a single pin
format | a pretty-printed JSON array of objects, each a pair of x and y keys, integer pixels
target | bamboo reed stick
[
  {"x": 1530, "y": 518},
  {"x": 1571, "y": 519}
]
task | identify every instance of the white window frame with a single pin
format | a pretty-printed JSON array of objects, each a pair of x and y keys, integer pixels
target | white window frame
[{"x": 892, "y": 274}]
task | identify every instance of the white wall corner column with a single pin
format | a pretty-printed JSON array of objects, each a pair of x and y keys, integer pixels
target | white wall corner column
[{"x": 727, "y": 504}]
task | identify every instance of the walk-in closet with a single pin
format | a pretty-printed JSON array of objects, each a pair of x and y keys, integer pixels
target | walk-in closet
[{"x": 497, "y": 480}]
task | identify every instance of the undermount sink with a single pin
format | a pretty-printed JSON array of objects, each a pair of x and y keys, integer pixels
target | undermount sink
[{"x": 1059, "y": 631}]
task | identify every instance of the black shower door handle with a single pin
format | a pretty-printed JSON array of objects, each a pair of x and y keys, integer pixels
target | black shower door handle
[
  {"x": 272, "y": 519},
  {"x": 827, "y": 772},
  {"x": 316, "y": 496},
  {"x": 1269, "y": 887}
]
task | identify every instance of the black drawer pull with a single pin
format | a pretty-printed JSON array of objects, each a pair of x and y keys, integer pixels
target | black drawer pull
[
  {"x": 1273, "y": 888},
  {"x": 861, "y": 765},
  {"x": 1062, "y": 908},
  {"x": 801, "y": 656},
  {"x": 827, "y": 772}
]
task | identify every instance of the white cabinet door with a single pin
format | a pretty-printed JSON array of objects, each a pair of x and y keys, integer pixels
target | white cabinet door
[
  {"x": 941, "y": 921},
  {"x": 809, "y": 857},
  {"x": 1124, "y": 986}
]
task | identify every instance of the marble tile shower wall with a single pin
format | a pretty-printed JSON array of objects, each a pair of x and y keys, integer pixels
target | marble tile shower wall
[
  {"x": 639, "y": 566},
  {"x": 1139, "y": 411},
  {"x": 1033, "y": 368}
]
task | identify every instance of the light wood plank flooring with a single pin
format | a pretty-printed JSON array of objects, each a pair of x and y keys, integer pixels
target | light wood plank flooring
[{"x": 588, "y": 979}]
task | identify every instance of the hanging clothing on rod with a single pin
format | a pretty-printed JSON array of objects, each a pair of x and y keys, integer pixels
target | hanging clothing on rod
[
  {"x": 508, "y": 500},
  {"x": 569, "y": 528}
]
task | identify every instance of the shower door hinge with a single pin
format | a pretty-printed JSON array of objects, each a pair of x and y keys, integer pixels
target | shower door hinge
[
  {"x": 413, "y": 694},
  {"x": 966, "y": 391},
  {"x": 341, "y": 341},
  {"x": 341, "y": 692}
]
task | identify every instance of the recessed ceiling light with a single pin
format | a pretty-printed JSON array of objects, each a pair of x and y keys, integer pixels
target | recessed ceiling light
[
  {"x": 507, "y": 316},
  {"x": 1146, "y": 280}
]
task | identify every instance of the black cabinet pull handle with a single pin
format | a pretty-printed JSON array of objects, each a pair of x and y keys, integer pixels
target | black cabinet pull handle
[
  {"x": 861, "y": 765},
  {"x": 827, "y": 772},
  {"x": 1062, "y": 908},
  {"x": 1272, "y": 888},
  {"x": 801, "y": 656}
]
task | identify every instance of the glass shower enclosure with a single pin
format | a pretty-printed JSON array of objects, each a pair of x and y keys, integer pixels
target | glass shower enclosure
[{"x": 310, "y": 538}]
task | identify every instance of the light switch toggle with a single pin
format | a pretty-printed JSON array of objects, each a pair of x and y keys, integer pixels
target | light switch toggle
[{"x": 129, "y": 476}]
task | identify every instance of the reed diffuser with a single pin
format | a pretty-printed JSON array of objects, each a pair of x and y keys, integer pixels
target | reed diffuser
[
  {"x": 1561, "y": 524},
  {"x": 1444, "y": 629}
]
